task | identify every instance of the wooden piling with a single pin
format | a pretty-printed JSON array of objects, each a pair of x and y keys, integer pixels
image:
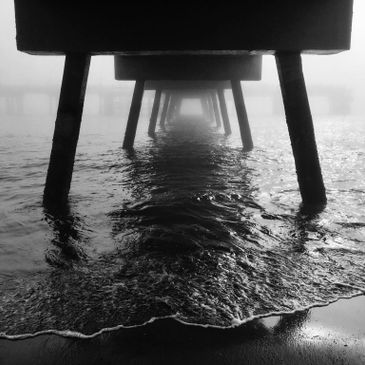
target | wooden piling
[
  {"x": 67, "y": 128},
  {"x": 134, "y": 112},
  {"x": 210, "y": 108},
  {"x": 178, "y": 104},
  {"x": 205, "y": 107},
  {"x": 171, "y": 108},
  {"x": 164, "y": 109},
  {"x": 154, "y": 114},
  {"x": 300, "y": 126},
  {"x": 242, "y": 115},
  {"x": 223, "y": 107},
  {"x": 216, "y": 109}
]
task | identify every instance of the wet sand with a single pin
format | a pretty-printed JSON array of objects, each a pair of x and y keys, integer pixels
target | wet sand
[{"x": 334, "y": 334}]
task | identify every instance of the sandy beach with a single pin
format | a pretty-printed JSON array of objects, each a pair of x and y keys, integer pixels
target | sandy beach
[{"x": 334, "y": 334}]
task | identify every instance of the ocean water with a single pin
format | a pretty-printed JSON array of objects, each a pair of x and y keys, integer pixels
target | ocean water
[{"x": 187, "y": 225}]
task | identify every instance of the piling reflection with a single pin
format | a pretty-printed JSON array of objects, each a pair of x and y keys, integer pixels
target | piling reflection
[
  {"x": 177, "y": 237},
  {"x": 305, "y": 223},
  {"x": 182, "y": 196},
  {"x": 68, "y": 236}
]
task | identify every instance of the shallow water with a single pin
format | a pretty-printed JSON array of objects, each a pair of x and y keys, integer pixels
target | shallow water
[{"x": 186, "y": 225}]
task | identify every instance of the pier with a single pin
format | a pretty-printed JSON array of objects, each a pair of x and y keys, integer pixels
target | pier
[
  {"x": 154, "y": 44},
  {"x": 111, "y": 99},
  {"x": 177, "y": 75}
]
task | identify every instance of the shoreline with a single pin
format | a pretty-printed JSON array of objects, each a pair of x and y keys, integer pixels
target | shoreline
[
  {"x": 235, "y": 322},
  {"x": 332, "y": 334}
]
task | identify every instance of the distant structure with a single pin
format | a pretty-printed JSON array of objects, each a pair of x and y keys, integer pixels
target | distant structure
[
  {"x": 156, "y": 44},
  {"x": 178, "y": 75},
  {"x": 15, "y": 99}
]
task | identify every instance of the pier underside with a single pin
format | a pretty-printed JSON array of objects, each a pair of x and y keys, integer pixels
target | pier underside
[
  {"x": 178, "y": 77},
  {"x": 170, "y": 85},
  {"x": 202, "y": 48},
  {"x": 263, "y": 26}
]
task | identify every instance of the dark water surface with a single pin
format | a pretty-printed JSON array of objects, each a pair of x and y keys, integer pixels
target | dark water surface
[{"x": 186, "y": 225}]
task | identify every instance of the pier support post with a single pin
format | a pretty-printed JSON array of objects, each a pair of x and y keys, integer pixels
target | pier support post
[
  {"x": 242, "y": 115},
  {"x": 171, "y": 110},
  {"x": 164, "y": 109},
  {"x": 177, "y": 112},
  {"x": 223, "y": 106},
  {"x": 134, "y": 112},
  {"x": 216, "y": 109},
  {"x": 67, "y": 128},
  {"x": 211, "y": 108},
  {"x": 154, "y": 114},
  {"x": 205, "y": 107},
  {"x": 300, "y": 126}
]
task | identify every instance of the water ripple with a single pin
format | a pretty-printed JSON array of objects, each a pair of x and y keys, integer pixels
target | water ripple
[{"x": 187, "y": 225}]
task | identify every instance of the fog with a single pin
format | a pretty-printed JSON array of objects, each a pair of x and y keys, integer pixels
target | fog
[
  {"x": 344, "y": 72},
  {"x": 188, "y": 226}
]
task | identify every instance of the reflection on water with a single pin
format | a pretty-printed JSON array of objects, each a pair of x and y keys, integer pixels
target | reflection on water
[
  {"x": 182, "y": 198},
  {"x": 68, "y": 234},
  {"x": 187, "y": 225}
]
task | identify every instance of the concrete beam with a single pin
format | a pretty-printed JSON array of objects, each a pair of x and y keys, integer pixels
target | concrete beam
[
  {"x": 97, "y": 27},
  {"x": 189, "y": 68}
]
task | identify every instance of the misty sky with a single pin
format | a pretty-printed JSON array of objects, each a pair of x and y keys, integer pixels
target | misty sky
[{"x": 346, "y": 69}]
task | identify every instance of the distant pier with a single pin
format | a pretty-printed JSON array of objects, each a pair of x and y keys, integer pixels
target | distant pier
[{"x": 110, "y": 99}]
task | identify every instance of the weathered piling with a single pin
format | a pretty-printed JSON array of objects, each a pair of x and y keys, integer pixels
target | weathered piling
[
  {"x": 133, "y": 117},
  {"x": 171, "y": 108},
  {"x": 242, "y": 115},
  {"x": 216, "y": 109},
  {"x": 210, "y": 107},
  {"x": 67, "y": 128},
  {"x": 205, "y": 107},
  {"x": 223, "y": 106},
  {"x": 154, "y": 114},
  {"x": 300, "y": 126},
  {"x": 178, "y": 104},
  {"x": 165, "y": 107}
]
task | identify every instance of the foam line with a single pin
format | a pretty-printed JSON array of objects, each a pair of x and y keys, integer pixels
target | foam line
[{"x": 235, "y": 322}]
